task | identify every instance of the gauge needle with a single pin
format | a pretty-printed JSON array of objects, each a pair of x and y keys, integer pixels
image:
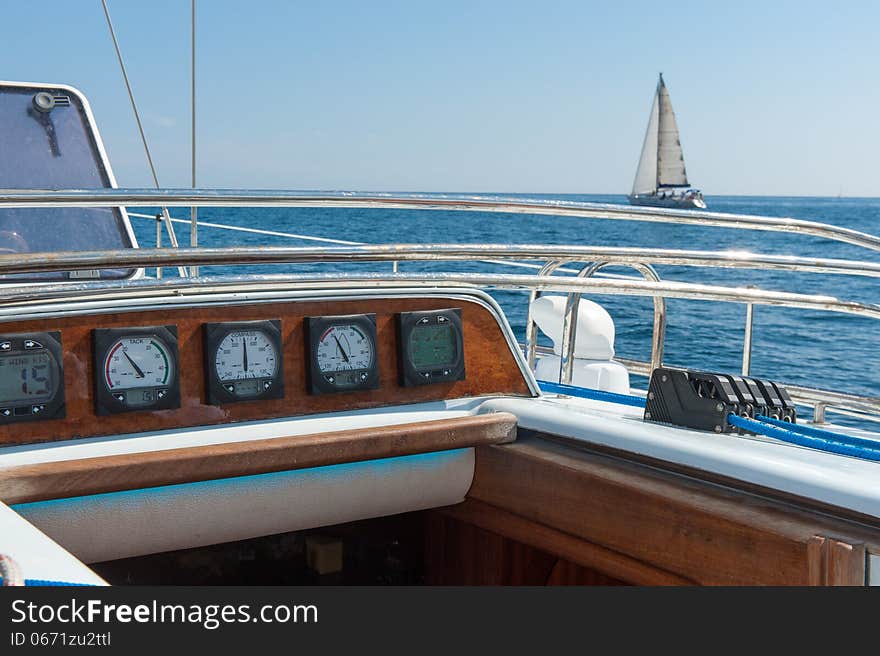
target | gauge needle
[
  {"x": 341, "y": 350},
  {"x": 244, "y": 350},
  {"x": 137, "y": 370}
]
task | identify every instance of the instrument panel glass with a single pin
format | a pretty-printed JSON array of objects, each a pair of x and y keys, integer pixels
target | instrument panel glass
[
  {"x": 342, "y": 353},
  {"x": 137, "y": 361},
  {"x": 137, "y": 369},
  {"x": 245, "y": 354},
  {"x": 31, "y": 377},
  {"x": 344, "y": 349},
  {"x": 243, "y": 361},
  {"x": 26, "y": 378},
  {"x": 431, "y": 347}
]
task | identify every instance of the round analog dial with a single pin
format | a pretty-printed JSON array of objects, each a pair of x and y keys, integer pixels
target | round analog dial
[
  {"x": 245, "y": 354},
  {"x": 138, "y": 361},
  {"x": 344, "y": 348},
  {"x": 342, "y": 353}
]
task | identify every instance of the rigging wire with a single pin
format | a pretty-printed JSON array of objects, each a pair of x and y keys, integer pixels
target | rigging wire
[
  {"x": 137, "y": 117},
  {"x": 193, "y": 211},
  {"x": 343, "y": 242}
]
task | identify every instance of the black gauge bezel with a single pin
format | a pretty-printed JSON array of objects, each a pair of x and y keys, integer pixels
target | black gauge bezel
[
  {"x": 315, "y": 327},
  {"x": 26, "y": 344},
  {"x": 410, "y": 374},
  {"x": 220, "y": 392},
  {"x": 106, "y": 401}
]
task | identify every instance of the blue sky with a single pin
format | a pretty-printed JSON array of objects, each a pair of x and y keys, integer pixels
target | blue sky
[{"x": 772, "y": 97}]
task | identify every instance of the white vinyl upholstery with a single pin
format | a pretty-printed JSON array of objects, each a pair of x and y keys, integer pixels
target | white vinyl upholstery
[
  {"x": 123, "y": 524},
  {"x": 37, "y": 555}
]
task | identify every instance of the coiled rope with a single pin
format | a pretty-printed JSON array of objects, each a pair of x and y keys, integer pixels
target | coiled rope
[
  {"x": 10, "y": 572},
  {"x": 12, "y": 576}
]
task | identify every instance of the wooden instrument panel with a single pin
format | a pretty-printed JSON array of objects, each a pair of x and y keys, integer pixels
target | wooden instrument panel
[{"x": 491, "y": 367}]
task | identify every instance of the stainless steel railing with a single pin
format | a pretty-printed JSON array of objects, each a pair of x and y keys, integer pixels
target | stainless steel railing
[
  {"x": 570, "y": 323},
  {"x": 557, "y": 255},
  {"x": 261, "y": 198},
  {"x": 14, "y": 299},
  {"x": 553, "y": 258}
]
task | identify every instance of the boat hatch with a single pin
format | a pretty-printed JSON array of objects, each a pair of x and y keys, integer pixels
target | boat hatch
[{"x": 48, "y": 140}]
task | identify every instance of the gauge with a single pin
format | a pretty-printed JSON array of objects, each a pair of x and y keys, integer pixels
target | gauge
[
  {"x": 243, "y": 361},
  {"x": 342, "y": 353},
  {"x": 31, "y": 377},
  {"x": 431, "y": 347},
  {"x": 137, "y": 369}
]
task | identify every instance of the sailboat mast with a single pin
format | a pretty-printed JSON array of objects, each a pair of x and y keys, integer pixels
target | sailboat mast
[
  {"x": 646, "y": 173},
  {"x": 658, "y": 98}
]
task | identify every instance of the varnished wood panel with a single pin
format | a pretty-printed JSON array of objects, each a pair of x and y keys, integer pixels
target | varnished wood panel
[
  {"x": 563, "y": 545},
  {"x": 701, "y": 532},
  {"x": 460, "y": 553},
  {"x": 68, "y": 478},
  {"x": 490, "y": 366},
  {"x": 841, "y": 563},
  {"x": 567, "y": 573}
]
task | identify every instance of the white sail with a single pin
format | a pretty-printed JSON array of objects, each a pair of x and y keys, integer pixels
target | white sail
[
  {"x": 661, "y": 164},
  {"x": 646, "y": 174},
  {"x": 670, "y": 159}
]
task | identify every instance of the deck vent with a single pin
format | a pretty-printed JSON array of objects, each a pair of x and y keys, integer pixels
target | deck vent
[{"x": 703, "y": 400}]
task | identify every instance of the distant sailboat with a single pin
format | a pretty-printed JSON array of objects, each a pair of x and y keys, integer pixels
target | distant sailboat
[{"x": 661, "y": 179}]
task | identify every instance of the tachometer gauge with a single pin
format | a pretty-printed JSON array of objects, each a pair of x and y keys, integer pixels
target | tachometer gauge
[
  {"x": 342, "y": 353},
  {"x": 243, "y": 361},
  {"x": 136, "y": 369}
]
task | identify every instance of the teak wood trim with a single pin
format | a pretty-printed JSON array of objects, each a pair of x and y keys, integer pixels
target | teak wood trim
[
  {"x": 841, "y": 563},
  {"x": 787, "y": 498},
  {"x": 69, "y": 478},
  {"x": 459, "y": 553},
  {"x": 699, "y": 531},
  {"x": 490, "y": 365},
  {"x": 562, "y": 545}
]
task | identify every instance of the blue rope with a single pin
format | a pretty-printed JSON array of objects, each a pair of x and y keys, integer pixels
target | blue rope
[
  {"x": 594, "y": 394},
  {"x": 866, "y": 442},
  {"x": 812, "y": 438},
  {"x": 42, "y": 583},
  {"x": 819, "y": 443}
]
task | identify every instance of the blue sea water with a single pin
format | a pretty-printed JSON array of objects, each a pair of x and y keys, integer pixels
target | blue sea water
[{"x": 820, "y": 349}]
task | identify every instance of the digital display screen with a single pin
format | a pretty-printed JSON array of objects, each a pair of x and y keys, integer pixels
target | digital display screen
[
  {"x": 137, "y": 398},
  {"x": 432, "y": 346},
  {"x": 26, "y": 378},
  {"x": 248, "y": 387},
  {"x": 346, "y": 378}
]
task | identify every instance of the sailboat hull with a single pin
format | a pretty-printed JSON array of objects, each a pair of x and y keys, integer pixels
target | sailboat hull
[{"x": 676, "y": 202}]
